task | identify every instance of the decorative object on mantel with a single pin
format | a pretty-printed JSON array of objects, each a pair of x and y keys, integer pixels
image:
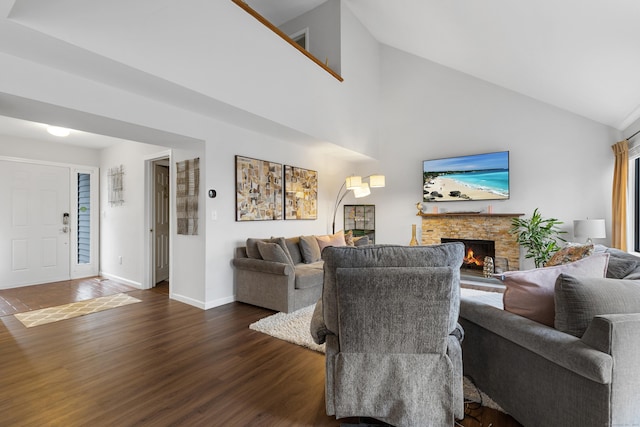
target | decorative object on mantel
[
  {"x": 487, "y": 268},
  {"x": 414, "y": 241},
  {"x": 589, "y": 228},
  {"x": 300, "y": 193},
  {"x": 116, "y": 185},
  {"x": 258, "y": 190},
  {"x": 360, "y": 189},
  {"x": 538, "y": 235},
  {"x": 187, "y": 189}
]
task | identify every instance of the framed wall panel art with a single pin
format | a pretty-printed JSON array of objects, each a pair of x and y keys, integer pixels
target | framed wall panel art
[
  {"x": 300, "y": 193},
  {"x": 258, "y": 190}
]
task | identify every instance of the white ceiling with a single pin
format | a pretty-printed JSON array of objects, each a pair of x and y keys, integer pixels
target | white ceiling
[
  {"x": 38, "y": 131},
  {"x": 579, "y": 55}
]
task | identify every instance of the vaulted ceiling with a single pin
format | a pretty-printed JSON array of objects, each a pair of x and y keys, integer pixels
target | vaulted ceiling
[{"x": 579, "y": 55}]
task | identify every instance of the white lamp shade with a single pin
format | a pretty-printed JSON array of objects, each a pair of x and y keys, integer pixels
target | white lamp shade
[
  {"x": 376, "y": 181},
  {"x": 353, "y": 182},
  {"x": 589, "y": 228},
  {"x": 362, "y": 191}
]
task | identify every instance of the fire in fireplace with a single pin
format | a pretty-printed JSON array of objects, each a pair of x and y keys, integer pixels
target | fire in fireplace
[{"x": 475, "y": 252}]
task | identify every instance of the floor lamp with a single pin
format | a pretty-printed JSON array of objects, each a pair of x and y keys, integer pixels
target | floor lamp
[{"x": 360, "y": 189}]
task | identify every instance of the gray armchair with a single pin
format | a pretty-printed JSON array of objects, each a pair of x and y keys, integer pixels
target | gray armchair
[{"x": 388, "y": 315}]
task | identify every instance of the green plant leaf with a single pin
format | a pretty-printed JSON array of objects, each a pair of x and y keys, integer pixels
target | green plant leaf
[{"x": 538, "y": 235}]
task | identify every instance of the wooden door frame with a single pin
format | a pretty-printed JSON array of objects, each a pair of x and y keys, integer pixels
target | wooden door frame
[{"x": 149, "y": 218}]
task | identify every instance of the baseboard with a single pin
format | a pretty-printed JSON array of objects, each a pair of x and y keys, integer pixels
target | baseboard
[
  {"x": 187, "y": 300},
  {"x": 218, "y": 302},
  {"x": 199, "y": 304},
  {"x": 121, "y": 279}
]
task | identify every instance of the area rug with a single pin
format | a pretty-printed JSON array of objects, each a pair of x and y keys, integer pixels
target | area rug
[
  {"x": 295, "y": 328},
  {"x": 74, "y": 309}
]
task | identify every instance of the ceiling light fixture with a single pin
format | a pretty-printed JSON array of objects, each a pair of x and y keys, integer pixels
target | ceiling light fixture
[{"x": 58, "y": 131}]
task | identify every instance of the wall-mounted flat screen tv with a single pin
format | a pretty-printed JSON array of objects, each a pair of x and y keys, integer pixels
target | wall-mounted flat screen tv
[{"x": 475, "y": 177}]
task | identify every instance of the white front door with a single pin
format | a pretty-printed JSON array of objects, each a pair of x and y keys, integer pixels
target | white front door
[
  {"x": 161, "y": 227},
  {"x": 34, "y": 238}
]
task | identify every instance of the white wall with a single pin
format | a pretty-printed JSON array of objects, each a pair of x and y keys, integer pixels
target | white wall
[
  {"x": 216, "y": 49},
  {"x": 392, "y": 106},
  {"x": 225, "y": 234},
  {"x": 560, "y": 163},
  {"x": 122, "y": 231},
  {"x": 323, "y": 23}
]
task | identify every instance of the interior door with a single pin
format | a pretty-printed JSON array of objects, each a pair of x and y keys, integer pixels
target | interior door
[
  {"x": 34, "y": 223},
  {"x": 161, "y": 227}
]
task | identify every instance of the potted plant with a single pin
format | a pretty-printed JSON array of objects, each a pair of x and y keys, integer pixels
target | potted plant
[{"x": 538, "y": 235}]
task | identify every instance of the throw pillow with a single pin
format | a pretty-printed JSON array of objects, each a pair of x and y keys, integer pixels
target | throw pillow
[
  {"x": 336, "y": 239},
  {"x": 309, "y": 249},
  {"x": 348, "y": 238},
  {"x": 569, "y": 254},
  {"x": 579, "y": 299},
  {"x": 252, "y": 247},
  {"x": 361, "y": 241},
  {"x": 273, "y": 252},
  {"x": 530, "y": 293},
  {"x": 621, "y": 264}
]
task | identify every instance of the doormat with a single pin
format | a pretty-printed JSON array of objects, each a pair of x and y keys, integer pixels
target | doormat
[{"x": 74, "y": 309}]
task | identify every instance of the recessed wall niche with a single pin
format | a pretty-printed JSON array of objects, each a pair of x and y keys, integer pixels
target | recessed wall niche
[{"x": 310, "y": 26}]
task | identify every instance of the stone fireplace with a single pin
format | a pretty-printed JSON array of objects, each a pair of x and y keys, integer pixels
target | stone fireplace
[
  {"x": 475, "y": 252},
  {"x": 474, "y": 227}
]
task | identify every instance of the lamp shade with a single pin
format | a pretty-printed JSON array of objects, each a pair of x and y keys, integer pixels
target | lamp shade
[
  {"x": 376, "y": 181},
  {"x": 353, "y": 182},
  {"x": 589, "y": 228},
  {"x": 362, "y": 191}
]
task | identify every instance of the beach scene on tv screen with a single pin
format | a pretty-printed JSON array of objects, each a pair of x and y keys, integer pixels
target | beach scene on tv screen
[{"x": 476, "y": 177}]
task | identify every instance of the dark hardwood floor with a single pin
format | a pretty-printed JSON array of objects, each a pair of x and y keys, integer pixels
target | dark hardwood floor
[
  {"x": 162, "y": 363},
  {"x": 27, "y": 298}
]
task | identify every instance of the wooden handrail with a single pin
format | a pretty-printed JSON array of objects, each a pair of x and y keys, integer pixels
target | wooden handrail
[{"x": 285, "y": 37}]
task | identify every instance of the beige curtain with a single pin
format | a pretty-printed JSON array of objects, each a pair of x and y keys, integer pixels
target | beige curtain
[{"x": 619, "y": 199}]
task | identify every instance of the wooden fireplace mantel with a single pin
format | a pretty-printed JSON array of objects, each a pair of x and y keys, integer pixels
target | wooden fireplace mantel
[{"x": 510, "y": 215}]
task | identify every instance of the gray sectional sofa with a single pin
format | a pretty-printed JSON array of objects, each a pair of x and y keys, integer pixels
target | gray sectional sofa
[
  {"x": 285, "y": 274},
  {"x": 544, "y": 376},
  {"x": 280, "y": 285}
]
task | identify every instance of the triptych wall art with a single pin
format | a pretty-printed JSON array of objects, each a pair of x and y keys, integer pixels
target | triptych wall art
[{"x": 260, "y": 187}]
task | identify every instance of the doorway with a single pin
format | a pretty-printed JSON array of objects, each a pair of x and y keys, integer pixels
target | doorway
[
  {"x": 161, "y": 220},
  {"x": 158, "y": 218}
]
